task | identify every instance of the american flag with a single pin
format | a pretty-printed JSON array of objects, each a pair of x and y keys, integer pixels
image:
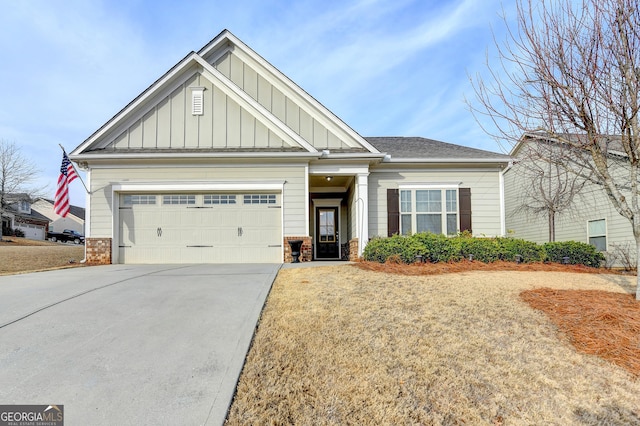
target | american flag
[{"x": 67, "y": 175}]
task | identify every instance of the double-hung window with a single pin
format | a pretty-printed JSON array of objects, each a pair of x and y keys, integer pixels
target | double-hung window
[
  {"x": 598, "y": 234},
  {"x": 429, "y": 210}
]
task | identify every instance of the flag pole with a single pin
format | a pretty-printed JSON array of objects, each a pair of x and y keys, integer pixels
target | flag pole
[{"x": 74, "y": 168}]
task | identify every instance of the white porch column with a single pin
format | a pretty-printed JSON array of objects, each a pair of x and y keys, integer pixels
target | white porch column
[{"x": 362, "y": 210}]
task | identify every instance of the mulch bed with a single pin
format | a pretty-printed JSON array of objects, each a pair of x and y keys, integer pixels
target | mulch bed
[
  {"x": 595, "y": 322},
  {"x": 465, "y": 266}
]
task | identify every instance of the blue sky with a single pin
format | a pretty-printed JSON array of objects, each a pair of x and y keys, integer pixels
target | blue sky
[{"x": 387, "y": 68}]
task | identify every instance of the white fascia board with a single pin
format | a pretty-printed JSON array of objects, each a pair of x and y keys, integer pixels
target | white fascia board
[
  {"x": 354, "y": 156},
  {"x": 279, "y": 79},
  {"x": 337, "y": 169},
  {"x": 198, "y": 186},
  {"x": 448, "y": 160},
  {"x": 148, "y": 93},
  {"x": 240, "y": 96},
  {"x": 194, "y": 155}
]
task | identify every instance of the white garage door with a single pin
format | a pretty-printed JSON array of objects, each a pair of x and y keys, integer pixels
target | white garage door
[
  {"x": 32, "y": 232},
  {"x": 200, "y": 228}
]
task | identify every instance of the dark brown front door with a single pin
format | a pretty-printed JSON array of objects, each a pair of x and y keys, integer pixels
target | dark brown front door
[{"x": 327, "y": 242}]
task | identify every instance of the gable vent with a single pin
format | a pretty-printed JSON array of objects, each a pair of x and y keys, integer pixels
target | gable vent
[{"x": 197, "y": 100}]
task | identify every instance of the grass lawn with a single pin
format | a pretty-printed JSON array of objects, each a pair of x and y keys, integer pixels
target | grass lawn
[
  {"x": 343, "y": 345},
  {"x": 19, "y": 255}
]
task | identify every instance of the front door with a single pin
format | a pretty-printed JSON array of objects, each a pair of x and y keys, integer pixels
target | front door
[{"x": 327, "y": 241}]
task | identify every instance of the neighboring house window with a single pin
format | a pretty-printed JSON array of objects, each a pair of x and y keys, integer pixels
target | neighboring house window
[
  {"x": 429, "y": 210},
  {"x": 24, "y": 207},
  {"x": 130, "y": 200},
  {"x": 220, "y": 199},
  {"x": 179, "y": 199},
  {"x": 598, "y": 234}
]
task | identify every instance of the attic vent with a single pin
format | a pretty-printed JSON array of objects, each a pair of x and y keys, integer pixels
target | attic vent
[{"x": 197, "y": 100}]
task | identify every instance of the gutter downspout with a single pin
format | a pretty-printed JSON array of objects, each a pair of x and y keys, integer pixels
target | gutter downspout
[{"x": 503, "y": 225}]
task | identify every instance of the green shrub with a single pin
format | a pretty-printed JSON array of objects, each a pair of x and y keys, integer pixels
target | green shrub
[
  {"x": 577, "y": 253},
  {"x": 528, "y": 250},
  {"x": 438, "y": 247},
  {"x": 380, "y": 249},
  {"x": 484, "y": 250}
]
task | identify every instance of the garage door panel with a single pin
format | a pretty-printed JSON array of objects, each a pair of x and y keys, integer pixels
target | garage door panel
[{"x": 199, "y": 232}]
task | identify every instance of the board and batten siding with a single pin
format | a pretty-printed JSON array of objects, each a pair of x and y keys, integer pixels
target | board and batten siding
[
  {"x": 293, "y": 201},
  {"x": 485, "y": 195},
  {"x": 290, "y": 108},
  {"x": 170, "y": 123},
  {"x": 571, "y": 225}
]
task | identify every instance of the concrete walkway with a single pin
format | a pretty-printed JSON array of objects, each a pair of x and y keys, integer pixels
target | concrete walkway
[{"x": 123, "y": 344}]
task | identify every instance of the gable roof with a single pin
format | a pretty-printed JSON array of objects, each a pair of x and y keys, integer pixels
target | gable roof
[
  {"x": 417, "y": 149},
  {"x": 609, "y": 144},
  {"x": 78, "y": 212},
  {"x": 103, "y": 143}
]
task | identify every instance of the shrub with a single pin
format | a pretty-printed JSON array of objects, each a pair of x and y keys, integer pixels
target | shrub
[
  {"x": 438, "y": 247},
  {"x": 380, "y": 249},
  {"x": 18, "y": 233},
  {"x": 481, "y": 249},
  {"x": 576, "y": 252},
  {"x": 528, "y": 250}
]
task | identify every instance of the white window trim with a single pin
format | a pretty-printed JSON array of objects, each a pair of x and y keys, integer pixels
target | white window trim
[
  {"x": 606, "y": 232},
  {"x": 443, "y": 200}
]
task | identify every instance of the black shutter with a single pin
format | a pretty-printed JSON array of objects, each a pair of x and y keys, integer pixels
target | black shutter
[
  {"x": 393, "y": 212},
  {"x": 464, "y": 201}
]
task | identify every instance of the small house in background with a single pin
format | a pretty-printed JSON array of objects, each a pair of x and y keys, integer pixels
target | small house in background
[
  {"x": 74, "y": 220},
  {"x": 19, "y": 218}
]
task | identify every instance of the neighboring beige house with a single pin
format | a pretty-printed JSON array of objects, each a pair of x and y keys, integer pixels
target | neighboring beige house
[
  {"x": 225, "y": 159},
  {"x": 73, "y": 221},
  {"x": 590, "y": 219}
]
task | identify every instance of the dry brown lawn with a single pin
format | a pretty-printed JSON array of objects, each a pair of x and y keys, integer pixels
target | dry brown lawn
[
  {"x": 343, "y": 345},
  {"x": 19, "y": 255}
]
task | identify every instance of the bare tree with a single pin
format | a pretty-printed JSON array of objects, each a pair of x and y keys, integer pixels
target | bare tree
[
  {"x": 16, "y": 173},
  {"x": 549, "y": 189},
  {"x": 573, "y": 68}
]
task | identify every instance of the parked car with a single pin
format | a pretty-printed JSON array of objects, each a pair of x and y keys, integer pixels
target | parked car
[{"x": 66, "y": 236}]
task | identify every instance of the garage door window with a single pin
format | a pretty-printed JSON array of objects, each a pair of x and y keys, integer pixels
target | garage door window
[
  {"x": 179, "y": 199},
  {"x": 260, "y": 199},
  {"x": 219, "y": 199},
  {"x": 130, "y": 200}
]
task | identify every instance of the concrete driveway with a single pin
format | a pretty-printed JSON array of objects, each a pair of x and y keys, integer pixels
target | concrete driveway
[{"x": 124, "y": 344}]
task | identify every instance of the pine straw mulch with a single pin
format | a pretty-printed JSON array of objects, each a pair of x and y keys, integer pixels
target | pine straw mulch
[
  {"x": 466, "y": 266},
  {"x": 595, "y": 322}
]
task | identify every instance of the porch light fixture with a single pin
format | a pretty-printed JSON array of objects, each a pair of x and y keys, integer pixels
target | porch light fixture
[{"x": 329, "y": 178}]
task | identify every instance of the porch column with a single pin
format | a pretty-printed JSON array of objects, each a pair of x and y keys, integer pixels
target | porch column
[{"x": 362, "y": 210}]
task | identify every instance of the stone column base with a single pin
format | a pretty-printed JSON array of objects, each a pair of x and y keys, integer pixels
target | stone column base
[
  {"x": 353, "y": 249},
  {"x": 98, "y": 251},
  {"x": 306, "y": 252}
]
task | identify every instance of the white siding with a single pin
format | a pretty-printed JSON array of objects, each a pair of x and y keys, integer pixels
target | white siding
[
  {"x": 293, "y": 197},
  {"x": 485, "y": 195}
]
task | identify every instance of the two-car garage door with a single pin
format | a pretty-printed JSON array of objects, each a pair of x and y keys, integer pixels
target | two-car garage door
[{"x": 200, "y": 228}]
